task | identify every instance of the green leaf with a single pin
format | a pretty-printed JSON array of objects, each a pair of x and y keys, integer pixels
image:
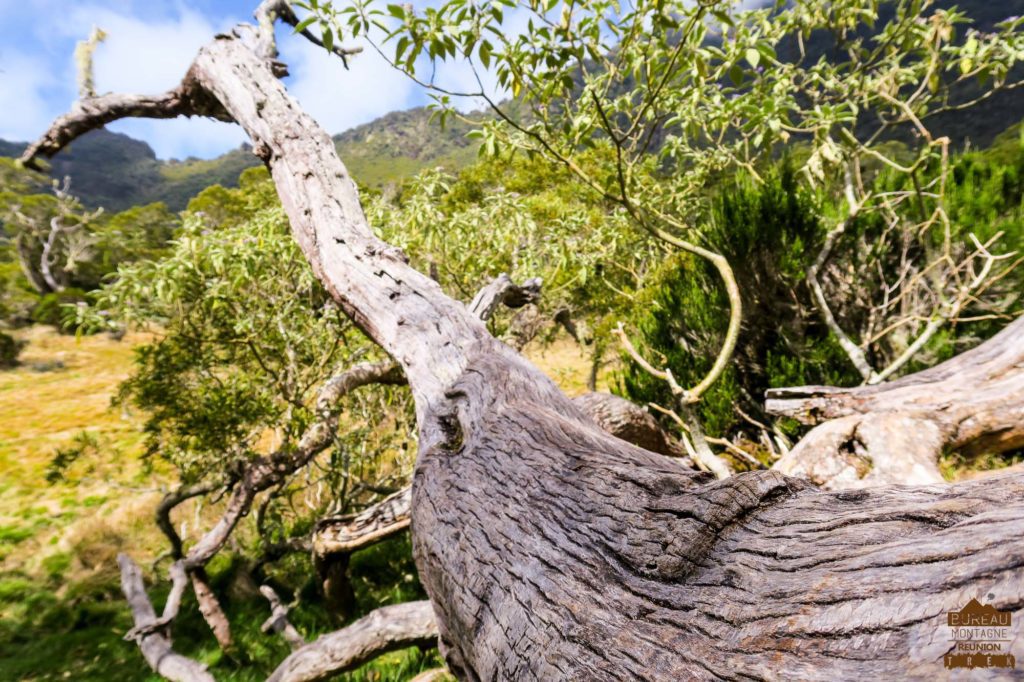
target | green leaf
[
  {"x": 401, "y": 47},
  {"x": 753, "y": 57},
  {"x": 304, "y": 24},
  {"x": 736, "y": 74},
  {"x": 723, "y": 18}
]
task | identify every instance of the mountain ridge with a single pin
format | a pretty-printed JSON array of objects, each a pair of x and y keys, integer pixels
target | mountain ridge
[{"x": 117, "y": 171}]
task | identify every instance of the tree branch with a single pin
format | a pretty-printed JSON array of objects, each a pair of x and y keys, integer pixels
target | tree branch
[
  {"x": 95, "y": 112},
  {"x": 383, "y": 630},
  {"x": 895, "y": 432},
  {"x": 154, "y": 643},
  {"x": 347, "y": 534},
  {"x": 278, "y": 620},
  {"x": 503, "y": 291}
]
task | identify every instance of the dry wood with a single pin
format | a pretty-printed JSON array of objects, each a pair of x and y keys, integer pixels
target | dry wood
[
  {"x": 278, "y": 621},
  {"x": 628, "y": 421},
  {"x": 503, "y": 291},
  {"x": 155, "y": 644},
  {"x": 435, "y": 675},
  {"x": 211, "y": 610},
  {"x": 552, "y": 550},
  {"x": 347, "y": 534},
  {"x": 895, "y": 432},
  {"x": 383, "y": 630}
]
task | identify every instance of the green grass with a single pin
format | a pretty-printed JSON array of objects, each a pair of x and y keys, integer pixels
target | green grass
[{"x": 62, "y": 615}]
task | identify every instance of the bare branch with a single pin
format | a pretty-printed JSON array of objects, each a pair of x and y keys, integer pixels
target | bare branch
[
  {"x": 432, "y": 675},
  {"x": 347, "y": 534},
  {"x": 95, "y": 112},
  {"x": 503, "y": 291},
  {"x": 694, "y": 441},
  {"x": 278, "y": 621},
  {"x": 155, "y": 643},
  {"x": 211, "y": 610},
  {"x": 271, "y": 10},
  {"x": 894, "y": 432},
  {"x": 386, "y": 629},
  {"x": 628, "y": 421}
]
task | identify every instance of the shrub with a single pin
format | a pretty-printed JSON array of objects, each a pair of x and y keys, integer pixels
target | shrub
[
  {"x": 768, "y": 232},
  {"x": 10, "y": 348},
  {"x": 52, "y": 309}
]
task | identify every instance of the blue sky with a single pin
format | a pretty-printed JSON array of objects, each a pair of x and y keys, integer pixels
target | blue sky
[{"x": 149, "y": 47}]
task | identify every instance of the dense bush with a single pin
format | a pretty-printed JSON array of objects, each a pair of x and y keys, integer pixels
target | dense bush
[
  {"x": 52, "y": 308},
  {"x": 680, "y": 320},
  {"x": 10, "y": 348}
]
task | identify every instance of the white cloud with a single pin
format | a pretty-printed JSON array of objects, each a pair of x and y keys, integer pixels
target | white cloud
[
  {"x": 150, "y": 56},
  {"x": 24, "y": 81},
  {"x": 340, "y": 99},
  {"x": 148, "y": 50},
  {"x": 142, "y": 56}
]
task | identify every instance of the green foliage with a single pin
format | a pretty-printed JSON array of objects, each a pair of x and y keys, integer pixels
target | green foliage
[
  {"x": 10, "y": 348},
  {"x": 17, "y": 297},
  {"x": 84, "y": 443},
  {"x": 770, "y": 229},
  {"x": 137, "y": 233},
  {"x": 522, "y": 217},
  {"x": 52, "y": 249},
  {"x": 52, "y": 309},
  {"x": 246, "y": 337}
]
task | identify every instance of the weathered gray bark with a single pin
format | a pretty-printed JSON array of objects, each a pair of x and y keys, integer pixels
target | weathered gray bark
[
  {"x": 383, "y": 630},
  {"x": 347, "y": 534},
  {"x": 895, "y": 432},
  {"x": 209, "y": 605},
  {"x": 552, "y": 550},
  {"x": 278, "y": 620},
  {"x": 211, "y": 610},
  {"x": 628, "y": 421},
  {"x": 155, "y": 644}
]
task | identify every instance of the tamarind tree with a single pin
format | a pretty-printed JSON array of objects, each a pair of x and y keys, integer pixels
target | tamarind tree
[{"x": 549, "y": 548}]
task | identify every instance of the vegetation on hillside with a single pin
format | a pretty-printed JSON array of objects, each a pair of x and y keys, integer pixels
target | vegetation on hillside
[{"x": 734, "y": 232}]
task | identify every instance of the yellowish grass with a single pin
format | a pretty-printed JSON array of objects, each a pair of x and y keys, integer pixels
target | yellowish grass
[
  {"x": 566, "y": 363},
  {"x": 64, "y": 386}
]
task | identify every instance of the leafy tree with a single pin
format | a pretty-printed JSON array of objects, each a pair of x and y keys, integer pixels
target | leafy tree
[
  {"x": 528, "y": 219},
  {"x": 535, "y": 532},
  {"x": 684, "y": 92},
  {"x": 769, "y": 227}
]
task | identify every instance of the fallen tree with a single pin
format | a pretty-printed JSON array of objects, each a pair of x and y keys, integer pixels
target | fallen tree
[
  {"x": 549, "y": 548},
  {"x": 895, "y": 432}
]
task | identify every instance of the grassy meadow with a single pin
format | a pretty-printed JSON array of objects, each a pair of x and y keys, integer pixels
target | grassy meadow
[{"x": 61, "y": 612}]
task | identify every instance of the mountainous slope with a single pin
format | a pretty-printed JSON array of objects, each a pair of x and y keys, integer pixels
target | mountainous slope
[
  {"x": 402, "y": 143},
  {"x": 115, "y": 171}
]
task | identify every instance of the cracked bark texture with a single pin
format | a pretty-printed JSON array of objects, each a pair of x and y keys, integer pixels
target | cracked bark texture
[
  {"x": 552, "y": 550},
  {"x": 895, "y": 432}
]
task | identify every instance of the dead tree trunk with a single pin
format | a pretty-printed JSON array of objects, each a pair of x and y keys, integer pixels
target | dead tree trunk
[
  {"x": 895, "y": 432},
  {"x": 552, "y": 550}
]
